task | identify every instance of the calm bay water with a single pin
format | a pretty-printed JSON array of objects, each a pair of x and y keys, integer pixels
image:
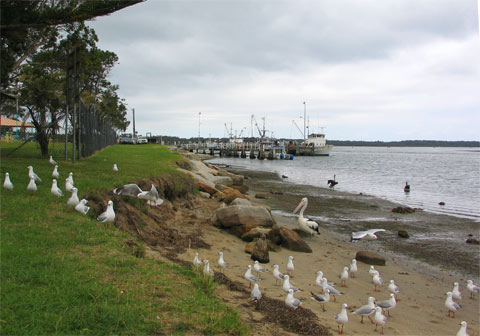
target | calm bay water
[{"x": 450, "y": 175}]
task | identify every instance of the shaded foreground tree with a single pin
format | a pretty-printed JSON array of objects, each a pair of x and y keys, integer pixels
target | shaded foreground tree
[{"x": 27, "y": 25}]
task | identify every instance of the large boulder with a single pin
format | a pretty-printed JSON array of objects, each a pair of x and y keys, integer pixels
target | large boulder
[
  {"x": 370, "y": 258},
  {"x": 231, "y": 194},
  {"x": 260, "y": 250},
  {"x": 289, "y": 239},
  {"x": 254, "y": 233},
  {"x": 237, "y": 215},
  {"x": 206, "y": 188}
]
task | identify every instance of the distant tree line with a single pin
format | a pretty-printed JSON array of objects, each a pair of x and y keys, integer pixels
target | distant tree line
[{"x": 405, "y": 143}]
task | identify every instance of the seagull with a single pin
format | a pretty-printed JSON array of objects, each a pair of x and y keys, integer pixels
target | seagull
[
  {"x": 319, "y": 278},
  {"x": 250, "y": 277},
  {"x": 55, "y": 189},
  {"x": 291, "y": 302},
  {"x": 463, "y": 329},
  {"x": 379, "y": 318},
  {"x": 456, "y": 295},
  {"x": 321, "y": 298},
  {"x": 353, "y": 268},
  {"x": 342, "y": 318},
  {"x": 333, "y": 290},
  {"x": 332, "y": 183},
  {"x": 306, "y": 225},
  {"x": 206, "y": 268},
  {"x": 406, "y": 188},
  {"x": 344, "y": 276},
  {"x": 196, "y": 261},
  {"x": 372, "y": 271},
  {"x": 451, "y": 305},
  {"x": 73, "y": 200},
  {"x": 108, "y": 215},
  {"x": 287, "y": 285},
  {"x": 255, "y": 294},
  {"x": 377, "y": 281},
  {"x": 7, "y": 184},
  {"x": 387, "y": 304},
  {"x": 82, "y": 206},
  {"x": 393, "y": 289},
  {"x": 151, "y": 196},
  {"x": 68, "y": 184},
  {"x": 277, "y": 274},
  {"x": 128, "y": 190},
  {"x": 366, "y": 310},
  {"x": 31, "y": 185},
  {"x": 70, "y": 177},
  {"x": 31, "y": 174},
  {"x": 368, "y": 234},
  {"x": 221, "y": 263},
  {"x": 52, "y": 161},
  {"x": 472, "y": 288},
  {"x": 115, "y": 168},
  {"x": 55, "y": 173},
  {"x": 290, "y": 267},
  {"x": 259, "y": 268}
]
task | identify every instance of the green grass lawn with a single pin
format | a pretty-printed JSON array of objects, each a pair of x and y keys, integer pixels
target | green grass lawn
[{"x": 65, "y": 273}]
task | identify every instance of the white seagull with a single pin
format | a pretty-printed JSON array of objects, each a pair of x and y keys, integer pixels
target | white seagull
[
  {"x": 366, "y": 310},
  {"x": 393, "y": 288},
  {"x": 290, "y": 266},
  {"x": 31, "y": 174},
  {"x": 134, "y": 190},
  {"x": 259, "y": 268},
  {"x": 377, "y": 281},
  {"x": 387, "y": 304},
  {"x": 55, "y": 173},
  {"x": 321, "y": 298},
  {"x": 52, "y": 161},
  {"x": 68, "y": 185},
  {"x": 333, "y": 291},
  {"x": 115, "y": 168},
  {"x": 368, "y": 234},
  {"x": 7, "y": 184},
  {"x": 456, "y": 295},
  {"x": 463, "y": 329},
  {"x": 277, "y": 274},
  {"x": 255, "y": 294},
  {"x": 287, "y": 285},
  {"x": 291, "y": 302},
  {"x": 250, "y": 277},
  {"x": 305, "y": 224},
  {"x": 353, "y": 268},
  {"x": 472, "y": 288},
  {"x": 344, "y": 276},
  {"x": 206, "y": 269},
  {"x": 73, "y": 200},
  {"x": 379, "y": 318},
  {"x": 196, "y": 261},
  {"x": 56, "y": 191},
  {"x": 70, "y": 178},
  {"x": 82, "y": 206},
  {"x": 31, "y": 185},
  {"x": 451, "y": 305},
  {"x": 319, "y": 278},
  {"x": 221, "y": 262},
  {"x": 108, "y": 215},
  {"x": 342, "y": 318}
]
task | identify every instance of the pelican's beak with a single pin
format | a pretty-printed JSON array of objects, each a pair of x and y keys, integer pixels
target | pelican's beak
[{"x": 299, "y": 206}]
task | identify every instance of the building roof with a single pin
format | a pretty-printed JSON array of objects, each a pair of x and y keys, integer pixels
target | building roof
[{"x": 7, "y": 122}]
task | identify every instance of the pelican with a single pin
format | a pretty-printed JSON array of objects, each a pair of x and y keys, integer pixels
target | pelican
[
  {"x": 306, "y": 225},
  {"x": 368, "y": 234}
]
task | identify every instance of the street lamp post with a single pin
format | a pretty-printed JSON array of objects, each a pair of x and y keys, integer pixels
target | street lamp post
[
  {"x": 199, "y": 114},
  {"x": 304, "y": 121}
]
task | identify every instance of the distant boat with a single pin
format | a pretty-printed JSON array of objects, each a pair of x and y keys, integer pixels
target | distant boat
[{"x": 314, "y": 145}]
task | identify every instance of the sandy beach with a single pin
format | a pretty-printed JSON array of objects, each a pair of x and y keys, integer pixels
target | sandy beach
[{"x": 420, "y": 310}]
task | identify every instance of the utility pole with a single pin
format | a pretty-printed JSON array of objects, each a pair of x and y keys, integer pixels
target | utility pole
[
  {"x": 134, "y": 133},
  {"x": 304, "y": 121}
]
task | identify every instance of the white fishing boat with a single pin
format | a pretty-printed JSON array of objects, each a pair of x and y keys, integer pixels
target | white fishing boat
[{"x": 316, "y": 145}]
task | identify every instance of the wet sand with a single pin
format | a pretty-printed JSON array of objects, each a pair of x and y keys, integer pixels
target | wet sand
[{"x": 420, "y": 310}]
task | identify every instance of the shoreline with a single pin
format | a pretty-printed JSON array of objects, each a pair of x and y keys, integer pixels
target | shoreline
[
  {"x": 342, "y": 213},
  {"x": 420, "y": 310}
]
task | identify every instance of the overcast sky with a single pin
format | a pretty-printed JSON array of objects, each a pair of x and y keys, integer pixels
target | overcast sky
[{"x": 367, "y": 70}]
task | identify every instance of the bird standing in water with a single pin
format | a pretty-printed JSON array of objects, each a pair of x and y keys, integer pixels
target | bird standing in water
[{"x": 407, "y": 187}]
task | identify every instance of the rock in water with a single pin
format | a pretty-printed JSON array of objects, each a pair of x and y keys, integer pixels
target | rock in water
[
  {"x": 403, "y": 234},
  {"x": 260, "y": 251},
  {"x": 370, "y": 258}
]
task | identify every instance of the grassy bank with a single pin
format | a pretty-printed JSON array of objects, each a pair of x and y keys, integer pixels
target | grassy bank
[{"x": 64, "y": 273}]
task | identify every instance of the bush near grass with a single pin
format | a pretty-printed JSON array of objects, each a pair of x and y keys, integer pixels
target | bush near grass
[{"x": 65, "y": 273}]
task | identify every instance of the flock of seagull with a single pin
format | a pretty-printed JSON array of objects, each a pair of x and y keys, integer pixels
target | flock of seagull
[
  {"x": 378, "y": 309},
  {"x": 108, "y": 215}
]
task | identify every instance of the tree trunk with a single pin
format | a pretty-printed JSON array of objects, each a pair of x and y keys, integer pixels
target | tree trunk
[{"x": 42, "y": 139}]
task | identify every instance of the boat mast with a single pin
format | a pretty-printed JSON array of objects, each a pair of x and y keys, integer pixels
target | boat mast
[{"x": 304, "y": 121}]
